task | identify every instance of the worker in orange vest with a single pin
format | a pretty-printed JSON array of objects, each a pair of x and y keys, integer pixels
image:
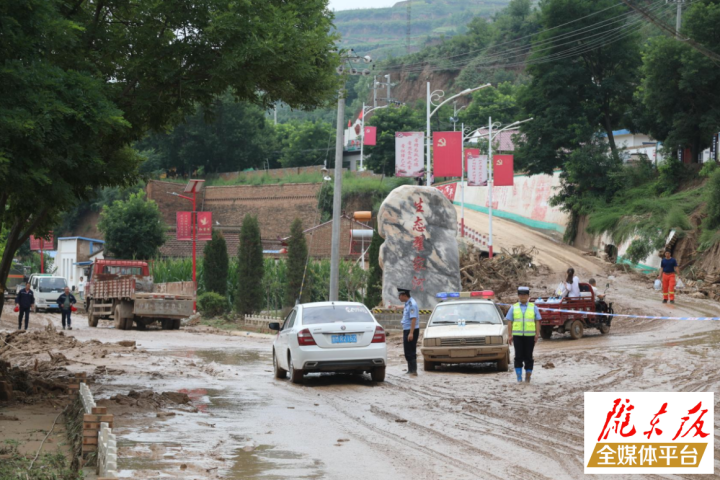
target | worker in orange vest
[{"x": 668, "y": 273}]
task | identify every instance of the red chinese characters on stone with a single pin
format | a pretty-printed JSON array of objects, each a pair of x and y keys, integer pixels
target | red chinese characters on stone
[
  {"x": 419, "y": 206},
  {"x": 419, "y": 243},
  {"x": 418, "y": 284},
  {"x": 615, "y": 413},
  {"x": 698, "y": 425},
  {"x": 419, "y": 264},
  {"x": 655, "y": 421},
  {"x": 419, "y": 226}
]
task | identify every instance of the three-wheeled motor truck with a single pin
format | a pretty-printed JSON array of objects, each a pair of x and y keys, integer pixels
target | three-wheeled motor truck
[{"x": 580, "y": 313}]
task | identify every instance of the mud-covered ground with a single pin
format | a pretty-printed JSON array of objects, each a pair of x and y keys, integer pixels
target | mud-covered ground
[{"x": 455, "y": 423}]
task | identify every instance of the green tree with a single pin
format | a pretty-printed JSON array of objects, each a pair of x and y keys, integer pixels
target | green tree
[
  {"x": 388, "y": 121},
  {"x": 222, "y": 137},
  {"x": 215, "y": 264},
  {"x": 571, "y": 98},
  {"x": 325, "y": 201},
  {"x": 133, "y": 228},
  {"x": 679, "y": 84},
  {"x": 84, "y": 80},
  {"x": 251, "y": 267},
  {"x": 305, "y": 143},
  {"x": 496, "y": 102},
  {"x": 296, "y": 260},
  {"x": 373, "y": 296}
]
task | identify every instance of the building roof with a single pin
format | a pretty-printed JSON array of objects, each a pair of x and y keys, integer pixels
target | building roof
[{"x": 95, "y": 240}]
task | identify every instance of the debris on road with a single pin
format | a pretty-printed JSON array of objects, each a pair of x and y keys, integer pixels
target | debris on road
[
  {"x": 501, "y": 273},
  {"x": 146, "y": 399}
]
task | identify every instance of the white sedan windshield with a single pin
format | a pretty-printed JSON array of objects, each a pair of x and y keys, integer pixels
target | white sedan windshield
[{"x": 451, "y": 313}]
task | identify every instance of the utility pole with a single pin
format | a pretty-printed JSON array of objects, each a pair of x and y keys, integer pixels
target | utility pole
[
  {"x": 337, "y": 191},
  {"x": 275, "y": 114},
  {"x": 389, "y": 97},
  {"x": 337, "y": 202},
  {"x": 678, "y": 19},
  {"x": 375, "y": 84}
]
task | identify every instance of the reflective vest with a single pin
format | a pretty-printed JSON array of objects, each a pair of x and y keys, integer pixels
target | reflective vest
[{"x": 524, "y": 326}]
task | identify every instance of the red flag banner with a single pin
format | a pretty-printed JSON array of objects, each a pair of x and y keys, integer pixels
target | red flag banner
[
  {"x": 409, "y": 154},
  {"x": 370, "y": 135},
  {"x": 470, "y": 151},
  {"x": 477, "y": 170},
  {"x": 183, "y": 230},
  {"x": 447, "y": 154},
  {"x": 503, "y": 174},
  {"x": 204, "y": 226},
  {"x": 448, "y": 190},
  {"x": 46, "y": 244}
]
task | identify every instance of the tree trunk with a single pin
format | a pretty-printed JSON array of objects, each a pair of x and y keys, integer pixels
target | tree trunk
[{"x": 611, "y": 138}]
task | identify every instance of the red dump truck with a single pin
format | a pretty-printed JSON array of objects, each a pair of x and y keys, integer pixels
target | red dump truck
[{"x": 123, "y": 291}]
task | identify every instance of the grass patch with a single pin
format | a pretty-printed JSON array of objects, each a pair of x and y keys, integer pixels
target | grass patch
[
  {"x": 266, "y": 179},
  {"x": 48, "y": 466}
]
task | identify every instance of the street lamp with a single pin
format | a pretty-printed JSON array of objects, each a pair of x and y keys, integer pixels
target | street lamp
[
  {"x": 193, "y": 186},
  {"x": 491, "y": 180},
  {"x": 437, "y": 95},
  {"x": 362, "y": 129}
]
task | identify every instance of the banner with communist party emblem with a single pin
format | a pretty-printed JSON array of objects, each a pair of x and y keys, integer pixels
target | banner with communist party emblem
[
  {"x": 447, "y": 154},
  {"x": 370, "y": 136},
  {"x": 37, "y": 243},
  {"x": 503, "y": 174},
  {"x": 409, "y": 154}
]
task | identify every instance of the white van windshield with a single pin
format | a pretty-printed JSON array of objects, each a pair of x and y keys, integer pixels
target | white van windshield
[
  {"x": 449, "y": 313},
  {"x": 48, "y": 284}
]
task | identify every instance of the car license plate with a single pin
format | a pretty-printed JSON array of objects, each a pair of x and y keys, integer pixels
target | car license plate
[{"x": 344, "y": 338}]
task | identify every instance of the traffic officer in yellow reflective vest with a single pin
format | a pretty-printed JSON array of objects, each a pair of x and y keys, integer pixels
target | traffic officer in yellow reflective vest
[{"x": 524, "y": 330}]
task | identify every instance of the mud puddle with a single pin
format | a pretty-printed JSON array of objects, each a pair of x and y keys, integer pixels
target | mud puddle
[{"x": 223, "y": 435}]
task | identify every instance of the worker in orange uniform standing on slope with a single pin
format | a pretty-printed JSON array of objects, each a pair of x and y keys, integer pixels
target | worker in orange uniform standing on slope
[{"x": 668, "y": 273}]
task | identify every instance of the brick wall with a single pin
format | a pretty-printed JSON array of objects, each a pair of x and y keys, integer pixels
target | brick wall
[
  {"x": 170, "y": 204},
  {"x": 319, "y": 240}
]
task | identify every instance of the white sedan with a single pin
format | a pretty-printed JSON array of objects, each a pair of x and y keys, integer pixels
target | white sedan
[{"x": 329, "y": 337}]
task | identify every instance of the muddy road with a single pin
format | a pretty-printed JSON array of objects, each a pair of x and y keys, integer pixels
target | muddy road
[{"x": 456, "y": 423}]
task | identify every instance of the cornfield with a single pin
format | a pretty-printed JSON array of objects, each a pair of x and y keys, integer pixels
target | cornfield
[{"x": 353, "y": 279}]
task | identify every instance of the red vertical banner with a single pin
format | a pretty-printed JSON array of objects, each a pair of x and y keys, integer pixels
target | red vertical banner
[
  {"x": 503, "y": 173},
  {"x": 204, "y": 226},
  {"x": 47, "y": 242},
  {"x": 183, "y": 230},
  {"x": 370, "y": 136},
  {"x": 447, "y": 154}
]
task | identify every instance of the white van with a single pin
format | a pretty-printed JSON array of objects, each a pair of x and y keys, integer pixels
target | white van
[{"x": 47, "y": 288}]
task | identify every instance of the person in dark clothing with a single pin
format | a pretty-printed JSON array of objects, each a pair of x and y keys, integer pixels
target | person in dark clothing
[
  {"x": 25, "y": 299},
  {"x": 65, "y": 302}
]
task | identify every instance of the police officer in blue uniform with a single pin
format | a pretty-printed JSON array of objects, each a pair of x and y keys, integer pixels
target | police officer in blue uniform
[{"x": 411, "y": 329}]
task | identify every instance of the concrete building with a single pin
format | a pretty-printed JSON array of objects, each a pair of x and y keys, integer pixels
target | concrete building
[
  {"x": 74, "y": 254},
  {"x": 634, "y": 146}
]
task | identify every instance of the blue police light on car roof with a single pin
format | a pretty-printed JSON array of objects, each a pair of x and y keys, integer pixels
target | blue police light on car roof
[{"x": 481, "y": 294}]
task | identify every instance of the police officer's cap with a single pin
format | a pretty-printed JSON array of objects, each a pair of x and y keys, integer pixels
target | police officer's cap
[
  {"x": 403, "y": 291},
  {"x": 523, "y": 290}
]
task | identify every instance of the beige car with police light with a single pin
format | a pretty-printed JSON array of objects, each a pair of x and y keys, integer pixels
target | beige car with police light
[{"x": 466, "y": 331}]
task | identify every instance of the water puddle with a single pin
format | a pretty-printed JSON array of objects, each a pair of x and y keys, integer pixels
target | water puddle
[
  {"x": 270, "y": 463},
  {"x": 217, "y": 438}
]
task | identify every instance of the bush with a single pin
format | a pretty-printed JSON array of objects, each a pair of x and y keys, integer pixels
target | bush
[
  {"x": 707, "y": 169},
  {"x": 216, "y": 262},
  {"x": 212, "y": 304},
  {"x": 251, "y": 266}
]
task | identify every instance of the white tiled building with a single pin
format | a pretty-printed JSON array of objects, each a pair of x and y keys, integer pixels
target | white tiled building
[{"x": 74, "y": 254}]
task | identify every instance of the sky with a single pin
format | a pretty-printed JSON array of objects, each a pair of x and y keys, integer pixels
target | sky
[{"x": 354, "y": 4}]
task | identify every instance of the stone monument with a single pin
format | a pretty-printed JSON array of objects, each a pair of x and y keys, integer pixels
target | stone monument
[{"x": 420, "y": 251}]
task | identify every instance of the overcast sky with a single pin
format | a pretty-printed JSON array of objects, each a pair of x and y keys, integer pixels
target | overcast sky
[{"x": 354, "y": 4}]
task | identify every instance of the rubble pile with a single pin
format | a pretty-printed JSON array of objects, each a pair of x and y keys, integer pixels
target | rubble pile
[{"x": 502, "y": 273}]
